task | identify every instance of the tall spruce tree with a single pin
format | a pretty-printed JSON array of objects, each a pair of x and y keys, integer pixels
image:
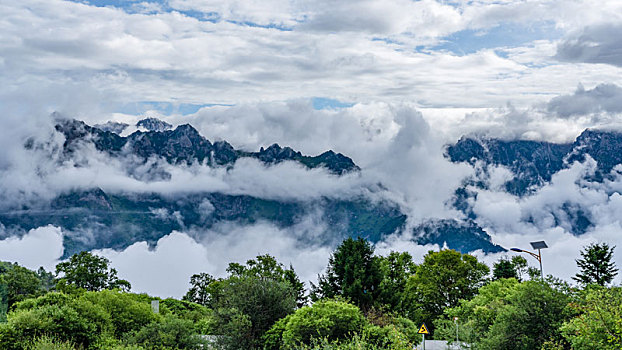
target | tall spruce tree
[
  {"x": 353, "y": 272},
  {"x": 596, "y": 265}
]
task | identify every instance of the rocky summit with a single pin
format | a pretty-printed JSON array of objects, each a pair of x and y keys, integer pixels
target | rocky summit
[{"x": 532, "y": 165}]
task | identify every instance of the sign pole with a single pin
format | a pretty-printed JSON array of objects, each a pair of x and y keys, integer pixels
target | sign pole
[{"x": 423, "y": 330}]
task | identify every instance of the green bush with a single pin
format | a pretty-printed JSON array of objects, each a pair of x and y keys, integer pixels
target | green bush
[
  {"x": 171, "y": 333},
  {"x": 49, "y": 343},
  {"x": 126, "y": 313},
  {"x": 328, "y": 319},
  {"x": 101, "y": 320},
  {"x": 78, "y": 321}
]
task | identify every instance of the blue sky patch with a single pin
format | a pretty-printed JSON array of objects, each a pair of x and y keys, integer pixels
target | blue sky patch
[
  {"x": 506, "y": 35},
  {"x": 329, "y": 103}
]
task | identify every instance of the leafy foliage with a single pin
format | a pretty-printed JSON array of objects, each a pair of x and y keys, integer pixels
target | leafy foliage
[
  {"x": 198, "y": 292},
  {"x": 249, "y": 301},
  {"x": 338, "y": 324},
  {"x": 19, "y": 283},
  {"x": 475, "y": 316},
  {"x": 441, "y": 281},
  {"x": 396, "y": 269},
  {"x": 90, "y": 272},
  {"x": 267, "y": 267},
  {"x": 260, "y": 305},
  {"x": 325, "y": 319},
  {"x": 97, "y": 320},
  {"x": 171, "y": 333},
  {"x": 596, "y": 265},
  {"x": 513, "y": 268},
  {"x": 532, "y": 316},
  {"x": 599, "y": 321},
  {"x": 509, "y": 315}
]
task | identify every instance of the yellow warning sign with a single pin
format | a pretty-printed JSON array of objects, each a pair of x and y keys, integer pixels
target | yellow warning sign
[{"x": 423, "y": 329}]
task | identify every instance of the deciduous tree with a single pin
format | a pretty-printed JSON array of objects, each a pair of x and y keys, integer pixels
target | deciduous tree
[
  {"x": 91, "y": 272},
  {"x": 441, "y": 281}
]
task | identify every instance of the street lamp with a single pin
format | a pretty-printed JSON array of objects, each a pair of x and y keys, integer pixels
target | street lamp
[{"x": 535, "y": 245}]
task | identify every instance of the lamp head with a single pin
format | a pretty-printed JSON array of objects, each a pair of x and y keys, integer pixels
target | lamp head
[{"x": 516, "y": 250}]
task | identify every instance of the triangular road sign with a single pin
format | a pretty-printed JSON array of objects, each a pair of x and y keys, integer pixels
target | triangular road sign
[{"x": 423, "y": 329}]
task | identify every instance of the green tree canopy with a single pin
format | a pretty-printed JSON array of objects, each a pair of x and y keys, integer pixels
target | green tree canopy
[
  {"x": 596, "y": 265},
  {"x": 510, "y": 268},
  {"x": 353, "y": 272},
  {"x": 475, "y": 316},
  {"x": 91, "y": 272},
  {"x": 108, "y": 319},
  {"x": 507, "y": 315},
  {"x": 336, "y": 324},
  {"x": 249, "y": 301},
  {"x": 396, "y": 269},
  {"x": 441, "y": 281},
  {"x": 20, "y": 283},
  {"x": 267, "y": 267},
  {"x": 199, "y": 289},
  {"x": 324, "y": 319},
  {"x": 599, "y": 321}
]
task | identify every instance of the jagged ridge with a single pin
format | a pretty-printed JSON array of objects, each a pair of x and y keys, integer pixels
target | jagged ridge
[{"x": 185, "y": 145}]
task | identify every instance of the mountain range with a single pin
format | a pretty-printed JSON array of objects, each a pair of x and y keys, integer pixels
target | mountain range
[{"x": 92, "y": 218}]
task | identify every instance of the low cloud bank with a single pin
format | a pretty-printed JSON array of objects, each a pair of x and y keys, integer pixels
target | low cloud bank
[{"x": 42, "y": 246}]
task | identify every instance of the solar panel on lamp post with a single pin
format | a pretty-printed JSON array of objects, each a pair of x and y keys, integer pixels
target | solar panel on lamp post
[{"x": 535, "y": 245}]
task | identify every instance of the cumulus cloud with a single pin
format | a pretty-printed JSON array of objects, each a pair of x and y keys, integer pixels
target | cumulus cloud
[
  {"x": 352, "y": 51},
  {"x": 212, "y": 253},
  {"x": 514, "y": 222},
  {"x": 594, "y": 44},
  {"x": 603, "y": 98},
  {"x": 38, "y": 247},
  {"x": 392, "y": 143}
]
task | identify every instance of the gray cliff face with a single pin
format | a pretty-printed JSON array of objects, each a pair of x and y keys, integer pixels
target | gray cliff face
[{"x": 533, "y": 164}]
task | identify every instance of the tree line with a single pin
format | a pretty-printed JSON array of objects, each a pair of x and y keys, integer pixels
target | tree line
[{"x": 361, "y": 301}]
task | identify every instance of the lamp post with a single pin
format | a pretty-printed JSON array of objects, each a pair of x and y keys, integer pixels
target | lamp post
[{"x": 535, "y": 245}]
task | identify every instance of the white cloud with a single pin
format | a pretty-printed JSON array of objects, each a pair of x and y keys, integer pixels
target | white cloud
[
  {"x": 39, "y": 247},
  {"x": 163, "y": 271},
  {"x": 77, "y": 55},
  {"x": 177, "y": 256},
  {"x": 602, "y": 99}
]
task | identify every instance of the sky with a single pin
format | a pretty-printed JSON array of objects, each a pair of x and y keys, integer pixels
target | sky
[{"x": 388, "y": 83}]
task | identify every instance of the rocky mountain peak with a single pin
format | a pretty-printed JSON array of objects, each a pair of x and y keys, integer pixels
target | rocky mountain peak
[{"x": 154, "y": 124}]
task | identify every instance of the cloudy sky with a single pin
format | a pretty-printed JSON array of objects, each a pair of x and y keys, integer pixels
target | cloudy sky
[{"x": 387, "y": 83}]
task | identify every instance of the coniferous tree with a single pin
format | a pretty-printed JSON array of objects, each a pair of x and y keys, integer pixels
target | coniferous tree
[
  {"x": 353, "y": 272},
  {"x": 596, "y": 265}
]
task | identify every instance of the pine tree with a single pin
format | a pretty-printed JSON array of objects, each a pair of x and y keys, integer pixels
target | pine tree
[
  {"x": 596, "y": 265},
  {"x": 353, "y": 272}
]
